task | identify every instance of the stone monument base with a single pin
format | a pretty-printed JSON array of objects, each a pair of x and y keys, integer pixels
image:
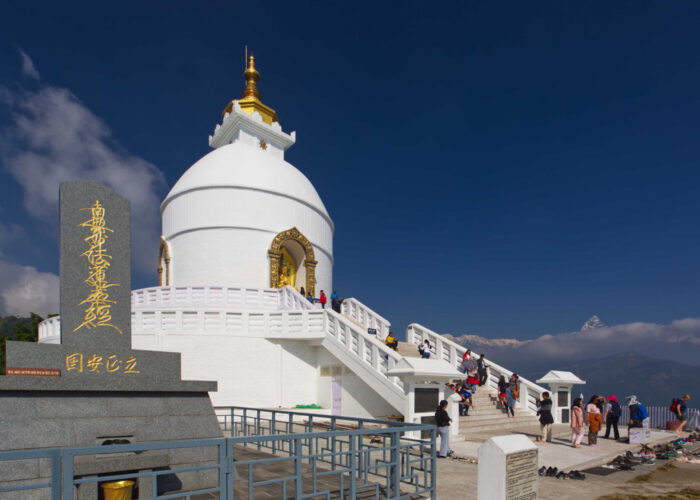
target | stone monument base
[{"x": 52, "y": 419}]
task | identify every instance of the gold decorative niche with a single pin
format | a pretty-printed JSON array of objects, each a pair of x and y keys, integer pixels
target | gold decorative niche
[
  {"x": 277, "y": 256},
  {"x": 163, "y": 258}
]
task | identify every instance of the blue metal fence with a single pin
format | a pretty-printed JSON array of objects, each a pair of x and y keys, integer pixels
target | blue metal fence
[
  {"x": 659, "y": 415},
  {"x": 313, "y": 456}
]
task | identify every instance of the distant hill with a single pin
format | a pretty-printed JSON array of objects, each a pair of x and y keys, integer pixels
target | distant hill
[
  {"x": 654, "y": 381},
  {"x": 655, "y": 362}
]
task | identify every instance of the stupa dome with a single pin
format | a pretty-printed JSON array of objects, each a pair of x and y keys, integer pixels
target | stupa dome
[{"x": 241, "y": 166}]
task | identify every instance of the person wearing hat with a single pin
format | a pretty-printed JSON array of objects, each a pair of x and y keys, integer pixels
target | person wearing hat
[
  {"x": 636, "y": 419},
  {"x": 611, "y": 417}
]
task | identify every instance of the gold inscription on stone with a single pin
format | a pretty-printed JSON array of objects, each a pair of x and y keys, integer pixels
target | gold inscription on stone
[
  {"x": 98, "y": 310},
  {"x": 74, "y": 362},
  {"x": 110, "y": 363}
]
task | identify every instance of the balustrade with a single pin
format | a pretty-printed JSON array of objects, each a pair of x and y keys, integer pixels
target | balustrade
[{"x": 452, "y": 352}]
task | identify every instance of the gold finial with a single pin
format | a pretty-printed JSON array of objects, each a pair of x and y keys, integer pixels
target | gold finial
[
  {"x": 252, "y": 77},
  {"x": 250, "y": 101}
]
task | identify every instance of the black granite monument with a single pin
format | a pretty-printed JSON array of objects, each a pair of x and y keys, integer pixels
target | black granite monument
[{"x": 93, "y": 387}]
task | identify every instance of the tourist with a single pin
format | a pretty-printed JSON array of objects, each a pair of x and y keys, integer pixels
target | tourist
[
  {"x": 502, "y": 388},
  {"x": 424, "y": 349},
  {"x": 322, "y": 299},
  {"x": 637, "y": 413},
  {"x": 335, "y": 302},
  {"x": 472, "y": 381},
  {"x": 611, "y": 417},
  {"x": 544, "y": 411},
  {"x": 469, "y": 364},
  {"x": 442, "y": 420},
  {"x": 481, "y": 368},
  {"x": 302, "y": 292},
  {"x": 682, "y": 412},
  {"x": 466, "y": 402},
  {"x": 576, "y": 423},
  {"x": 467, "y": 354},
  {"x": 595, "y": 420},
  {"x": 512, "y": 393},
  {"x": 392, "y": 342},
  {"x": 310, "y": 297},
  {"x": 465, "y": 398}
]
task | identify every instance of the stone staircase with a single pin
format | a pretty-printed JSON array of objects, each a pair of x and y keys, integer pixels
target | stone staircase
[
  {"x": 485, "y": 418},
  {"x": 408, "y": 350}
]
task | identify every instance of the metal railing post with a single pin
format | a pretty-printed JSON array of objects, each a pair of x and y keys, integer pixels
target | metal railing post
[
  {"x": 67, "y": 466},
  {"x": 353, "y": 474},
  {"x": 297, "y": 469},
  {"x": 433, "y": 463},
  {"x": 394, "y": 490},
  {"x": 56, "y": 475}
]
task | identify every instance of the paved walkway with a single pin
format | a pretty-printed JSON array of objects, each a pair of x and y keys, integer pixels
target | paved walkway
[
  {"x": 458, "y": 479},
  {"x": 559, "y": 452}
]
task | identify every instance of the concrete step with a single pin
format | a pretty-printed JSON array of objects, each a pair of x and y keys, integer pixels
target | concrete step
[
  {"x": 478, "y": 419},
  {"x": 408, "y": 350},
  {"x": 514, "y": 424}
]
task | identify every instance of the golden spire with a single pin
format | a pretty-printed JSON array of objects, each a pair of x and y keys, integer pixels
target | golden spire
[
  {"x": 252, "y": 77},
  {"x": 251, "y": 95}
]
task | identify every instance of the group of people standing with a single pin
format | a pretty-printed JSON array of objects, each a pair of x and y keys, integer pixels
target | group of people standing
[
  {"x": 508, "y": 393},
  {"x": 598, "y": 411},
  {"x": 336, "y": 300}
]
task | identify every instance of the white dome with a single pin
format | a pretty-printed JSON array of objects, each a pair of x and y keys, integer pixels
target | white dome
[
  {"x": 221, "y": 217},
  {"x": 240, "y": 165}
]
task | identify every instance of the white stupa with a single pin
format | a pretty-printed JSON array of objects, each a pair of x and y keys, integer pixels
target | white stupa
[
  {"x": 243, "y": 232},
  {"x": 242, "y": 215}
]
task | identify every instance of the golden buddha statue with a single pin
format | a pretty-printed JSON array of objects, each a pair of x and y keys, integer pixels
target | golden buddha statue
[{"x": 288, "y": 270}]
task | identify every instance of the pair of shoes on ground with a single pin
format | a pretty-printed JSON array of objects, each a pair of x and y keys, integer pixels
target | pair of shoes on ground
[
  {"x": 449, "y": 454},
  {"x": 560, "y": 474}
]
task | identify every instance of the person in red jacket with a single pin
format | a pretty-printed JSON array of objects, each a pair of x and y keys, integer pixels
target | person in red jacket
[{"x": 322, "y": 299}]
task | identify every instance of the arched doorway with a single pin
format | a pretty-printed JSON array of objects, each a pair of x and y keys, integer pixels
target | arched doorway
[{"x": 283, "y": 261}]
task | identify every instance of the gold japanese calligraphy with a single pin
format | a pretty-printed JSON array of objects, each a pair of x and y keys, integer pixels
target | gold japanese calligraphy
[
  {"x": 98, "y": 310},
  {"x": 111, "y": 363}
]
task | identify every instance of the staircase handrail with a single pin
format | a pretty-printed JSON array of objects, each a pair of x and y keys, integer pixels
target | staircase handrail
[
  {"x": 452, "y": 352},
  {"x": 365, "y": 316},
  {"x": 380, "y": 359}
]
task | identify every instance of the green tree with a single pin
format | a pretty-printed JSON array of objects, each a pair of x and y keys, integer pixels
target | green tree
[{"x": 23, "y": 330}]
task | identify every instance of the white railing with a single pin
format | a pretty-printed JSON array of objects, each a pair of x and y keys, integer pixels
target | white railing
[
  {"x": 452, "y": 353},
  {"x": 50, "y": 330},
  {"x": 366, "y": 317},
  {"x": 372, "y": 353},
  {"x": 263, "y": 299},
  {"x": 659, "y": 415},
  {"x": 265, "y": 324}
]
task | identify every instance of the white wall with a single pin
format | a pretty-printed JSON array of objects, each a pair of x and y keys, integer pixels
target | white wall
[
  {"x": 358, "y": 399},
  {"x": 220, "y": 236},
  {"x": 250, "y": 371}
]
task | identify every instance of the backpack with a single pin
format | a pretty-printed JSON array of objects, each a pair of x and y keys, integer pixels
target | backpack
[
  {"x": 642, "y": 411},
  {"x": 674, "y": 406},
  {"x": 615, "y": 409}
]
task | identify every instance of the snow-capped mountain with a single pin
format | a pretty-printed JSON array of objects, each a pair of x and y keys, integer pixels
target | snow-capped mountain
[{"x": 593, "y": 323}]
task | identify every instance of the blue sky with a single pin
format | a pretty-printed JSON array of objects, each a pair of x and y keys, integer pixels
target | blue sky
[{"x": 505, "y": 169}]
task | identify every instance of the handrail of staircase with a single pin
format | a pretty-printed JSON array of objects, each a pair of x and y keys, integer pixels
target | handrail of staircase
[
  {"x": 452, "y": 353},
  {"x": 364, "y": 316},
  {"x": 380, "y": 357}
]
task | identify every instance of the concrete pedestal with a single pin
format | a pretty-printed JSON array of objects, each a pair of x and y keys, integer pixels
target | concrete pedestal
[{"x": 507, "y": 469}]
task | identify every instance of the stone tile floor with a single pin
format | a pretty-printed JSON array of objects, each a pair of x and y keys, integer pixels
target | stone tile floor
[{"x": 327, "y": 486}]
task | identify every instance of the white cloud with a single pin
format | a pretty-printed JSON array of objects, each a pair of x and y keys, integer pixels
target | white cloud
[
  {"x": 54, "y": 137},
  {"x": 28, "y": 68},
  {"x": 678, "y": 340},
  {"x": 25, "y": 290}
]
